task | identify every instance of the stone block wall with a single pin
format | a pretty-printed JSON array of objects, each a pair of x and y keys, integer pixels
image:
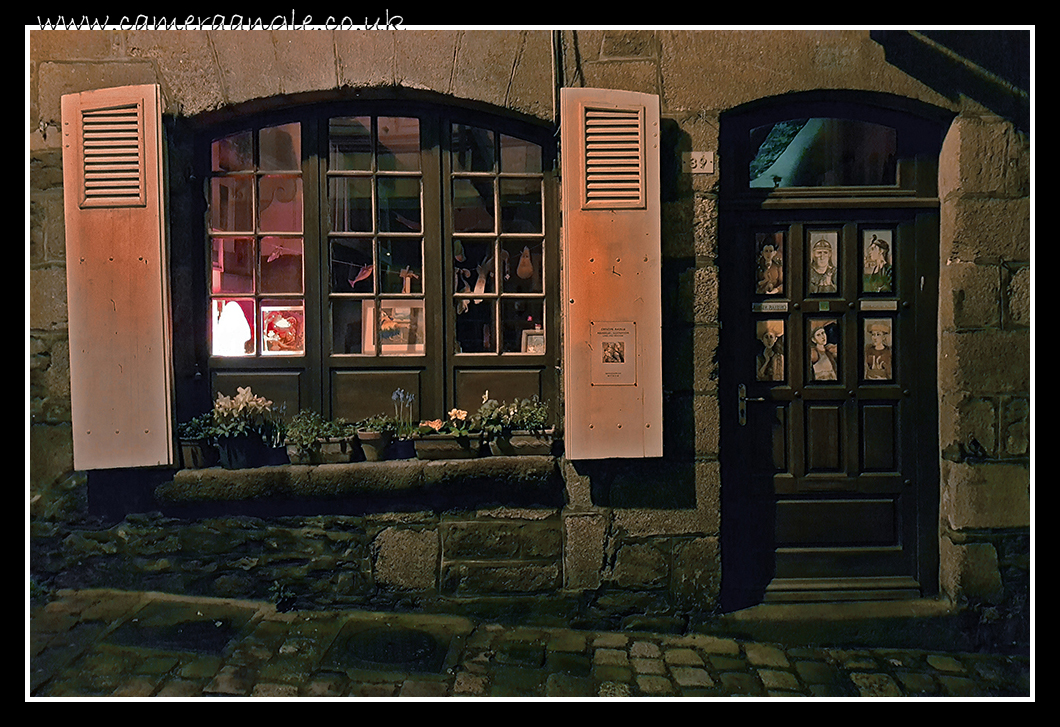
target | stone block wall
[{"x": 984, "y": 360}]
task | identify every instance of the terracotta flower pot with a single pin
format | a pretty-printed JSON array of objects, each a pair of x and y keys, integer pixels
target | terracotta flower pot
[
  {"x": 447, "y": 446},
  {"x": 522, "y": 443},
  {"x": 327, "y": 451},
  {"x": 374, "y": 444},
  {"x": 196, "y": 454}
]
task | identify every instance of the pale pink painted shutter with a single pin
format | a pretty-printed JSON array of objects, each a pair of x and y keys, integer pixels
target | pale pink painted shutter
[
  {"x": 116, "y": 277},
  {"x": 612, "y": 355}
]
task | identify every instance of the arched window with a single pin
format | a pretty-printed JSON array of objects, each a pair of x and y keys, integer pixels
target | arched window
[{"x": 359, "y": 249}]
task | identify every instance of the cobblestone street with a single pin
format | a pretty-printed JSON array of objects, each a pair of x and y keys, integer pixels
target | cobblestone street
[{"x": 120, "y": 644}]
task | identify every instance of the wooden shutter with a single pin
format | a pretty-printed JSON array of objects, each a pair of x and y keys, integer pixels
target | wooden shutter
[
  {"x": 116, "y": 278},
  {"x": 612, "y": 354}
]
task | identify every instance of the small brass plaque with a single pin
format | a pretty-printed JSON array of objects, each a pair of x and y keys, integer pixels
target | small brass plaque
[
  {"x": 879, "y": 305},
  {"x": 770, "y": 306}
]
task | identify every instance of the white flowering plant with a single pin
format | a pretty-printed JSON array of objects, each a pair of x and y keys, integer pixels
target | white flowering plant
[
  {"x": 247, "y": 414},
  {"x": 499, "y": 418}
]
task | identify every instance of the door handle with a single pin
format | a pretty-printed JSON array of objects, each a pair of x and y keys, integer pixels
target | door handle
[{"x": 743, "y": 399}]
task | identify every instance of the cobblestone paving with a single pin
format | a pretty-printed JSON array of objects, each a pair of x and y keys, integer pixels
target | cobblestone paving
[{"x": 117, "y": 644}]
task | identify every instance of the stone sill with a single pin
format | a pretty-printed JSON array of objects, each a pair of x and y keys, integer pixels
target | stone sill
[{"x": 496, "y": 477}]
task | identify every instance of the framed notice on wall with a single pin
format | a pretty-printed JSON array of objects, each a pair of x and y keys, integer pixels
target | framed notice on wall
[{"x": 614, "y": 353}]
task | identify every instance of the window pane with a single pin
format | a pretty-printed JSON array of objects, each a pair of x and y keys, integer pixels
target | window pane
[
  {"x": 473, "y": 209},
  {"x": 281, "y": 265},
  {"x": 474, "y": 326},
  {"x": 521, "y": 267},
  {"x": 347, "y": 326},
  {"x": 352, "y": 266},
  {"x": 400, "y": 266},
  {"x": 401, "y": 327},
  {"x": 232, "y": 332},
  {"x": 399, "y": 204},
  {"x": 476, "y": 273},
  {"x": 823, "y": 348},
  {"x": 822, "y": 271},
  {"x": 472, "y": 149},
  {"x": 280, "y": 202},
  {"x": 231, "y": 204},
  {"x": 519, "y": 156},
  {"x": 233, "y": 153},
  {"x": 822, "y": 152},
  {"x": 232, "y": 265},
  {"x": 351, "y": 204},
  {"x": 283, "y": 328},
  {"x": 350, "y": 143},
  {"x": 520, "y": 205},
  {"x": 280, "y": 148},
  {"x": 522, "y": 326},
  {"x": 398, "y": 146}
]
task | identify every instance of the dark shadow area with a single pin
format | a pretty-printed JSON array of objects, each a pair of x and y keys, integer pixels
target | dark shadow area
[
  {"x": 404, "y": 649},
  {"x": 657, "y": 484},
  {"x": 198, "y": 637},
  {"x": 113, "y": 494},
  {"x": 990, "y": 66}
]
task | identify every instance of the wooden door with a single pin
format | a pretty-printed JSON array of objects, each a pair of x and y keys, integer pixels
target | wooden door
[{"x": 828, "y": 373}]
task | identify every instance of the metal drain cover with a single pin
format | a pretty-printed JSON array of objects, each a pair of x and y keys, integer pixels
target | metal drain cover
[
  {"x": 198, "y": 637},
  {"x": 392, "y": 646}
]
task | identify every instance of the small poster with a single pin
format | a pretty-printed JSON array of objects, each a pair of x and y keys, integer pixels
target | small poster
[
  {"x": 614, "y": 353},
  {"x": 878, "y": 344},
  {"x": 283, "y": 330}
]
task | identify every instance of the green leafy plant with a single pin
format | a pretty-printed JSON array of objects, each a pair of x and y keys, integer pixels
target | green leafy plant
[
  {"x": 308, "y": 428},
  {"x": 499, "y": 419},
  {"x": 197, "y": 428},
  {"x": 247, "y": 414},
  {"x": 382, "y": 423}
]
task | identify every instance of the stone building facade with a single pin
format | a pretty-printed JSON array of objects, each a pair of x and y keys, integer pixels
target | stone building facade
[{"x": 648, "y": 529}]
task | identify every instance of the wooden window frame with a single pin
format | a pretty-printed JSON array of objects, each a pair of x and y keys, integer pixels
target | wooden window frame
[{"x": 321, "y": 379}]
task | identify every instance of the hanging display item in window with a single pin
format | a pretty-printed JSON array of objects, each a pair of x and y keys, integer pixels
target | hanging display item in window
[
  {"x": 360, "y": 272},
  {"x": 822, "y": 273},
  {"x": 878, "y": 349},
  {"x": 407, "y": 276},
  {"x": 770, "y": 268},
  {"x": 770, "y": 362},
  {"x": 284, "y": 330},
  {"x": 824, "y": 350},
  {"x": 526, "y": 267},
  {"x": 876, "y": 274}
]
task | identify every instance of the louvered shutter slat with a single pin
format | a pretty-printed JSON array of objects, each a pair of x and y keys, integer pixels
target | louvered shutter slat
[
  {"x": 614, "y": 153},
  {"x": 112, "y": 144}
]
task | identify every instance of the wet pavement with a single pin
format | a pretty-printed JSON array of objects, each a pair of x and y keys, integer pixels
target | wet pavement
[{"x": 117, "y": 644}]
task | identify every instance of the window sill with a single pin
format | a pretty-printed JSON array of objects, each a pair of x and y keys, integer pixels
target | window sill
[{"x": 489, "y": 479}]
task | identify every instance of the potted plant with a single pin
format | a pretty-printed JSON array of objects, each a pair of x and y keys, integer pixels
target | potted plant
[
  {"x": 247, "y": 430},
  {"x": 311, "y": 439},
  {"x": 517, "y": 428},
  {"x": 402, "y": 445},
  {"x": 375, "y": 434},
  {"x": 197, "y": 449},
  {"x": 457, "y": 437}
]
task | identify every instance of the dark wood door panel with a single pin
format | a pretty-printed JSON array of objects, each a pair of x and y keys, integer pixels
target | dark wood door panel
[
  {"x": 356, "y": 395},
  {"x": 848, "y": 522},
  {"x": 501, "y": 384},
  {"x": 824, "y": 437},
  {"x": 857, "y": 562}
]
